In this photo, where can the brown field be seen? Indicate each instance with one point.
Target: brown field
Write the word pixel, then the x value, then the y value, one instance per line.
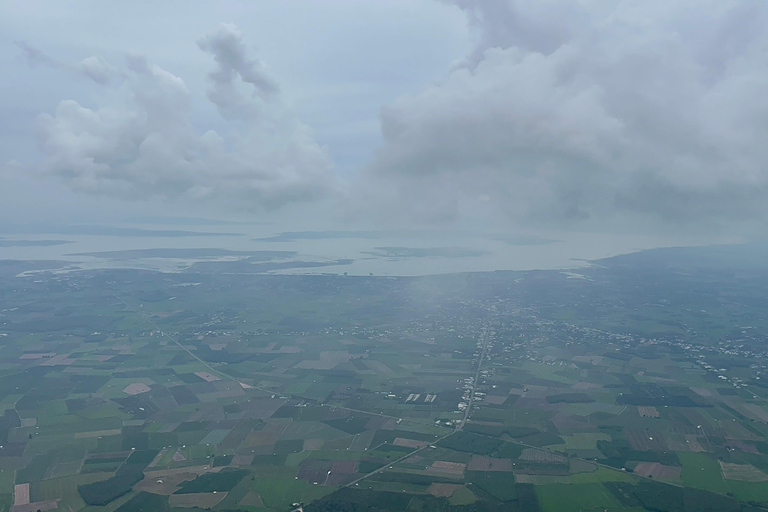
pixel 743 472
pixel 390 424
pixel 656 470
pixel 108 455
pixel 344 466
pixel 409 443
pixel 59 360
pixel 535 455
pixel 98 433
pixel 676 443
pixel 487 423
pixel 260 438
pixel 740 445
pixel 581 386
pixel 753 411
pixel 169 427
pixel 228 389
pixel 327 360
pixel 204 500
pixel 648 411
pixel 482 463
pixel 376 423
pixel 37 506
pixel 443 490
pixel 378 367
pixel 694 443
pixel 734 430
pixel 242 460
pixel 340 444
pixel 278 426
pixel 443 466
pixel 541 479
pixel 314 470
pixel 157 458
pixel 564 421
pixel 21 494
pixel 313 444
pixel 588 359
pixel 263 408
pixel 136 388
pixel 208 377
pixel 262 449
pixel 37 355
pixel 645 440
pixel 167 481
pixel 683 443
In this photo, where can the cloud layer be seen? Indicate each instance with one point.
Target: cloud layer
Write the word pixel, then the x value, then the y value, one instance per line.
pixel 571 113
pixel 580 115
pixel 141 142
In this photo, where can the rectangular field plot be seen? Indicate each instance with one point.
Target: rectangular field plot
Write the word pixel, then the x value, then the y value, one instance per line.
pixel 742 472
pixel 482 463
pixel 656 470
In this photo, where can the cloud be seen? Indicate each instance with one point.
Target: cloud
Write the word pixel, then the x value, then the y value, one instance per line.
pixel 91 67
pixel 141 142
pixel 229 52
pixel 573 114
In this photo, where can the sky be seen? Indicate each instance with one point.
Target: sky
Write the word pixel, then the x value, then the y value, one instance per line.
pixel 502 115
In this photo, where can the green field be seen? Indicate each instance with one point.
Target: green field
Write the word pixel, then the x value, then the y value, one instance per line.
pixel 575 498
pixel 702 472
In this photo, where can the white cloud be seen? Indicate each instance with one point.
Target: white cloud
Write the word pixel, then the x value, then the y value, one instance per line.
pixel 569 113
pixel 142 143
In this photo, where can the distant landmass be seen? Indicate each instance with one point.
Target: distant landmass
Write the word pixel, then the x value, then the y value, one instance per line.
pixel 425 252
pixel 731 257
pixel 253 266
pixel 293 236
pixel 522 240
pixel 190 221
pixel 101 230
pixel 32 243
pixel 188 253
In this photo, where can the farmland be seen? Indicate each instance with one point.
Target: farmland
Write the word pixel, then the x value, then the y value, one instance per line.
pixel 639 387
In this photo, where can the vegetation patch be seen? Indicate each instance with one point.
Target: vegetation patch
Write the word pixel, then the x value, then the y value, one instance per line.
pixel 224 480
pixel 472 443
pixel 570 398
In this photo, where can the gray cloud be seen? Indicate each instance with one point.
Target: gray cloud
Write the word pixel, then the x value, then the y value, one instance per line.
pixel 571 113
pixel 141 142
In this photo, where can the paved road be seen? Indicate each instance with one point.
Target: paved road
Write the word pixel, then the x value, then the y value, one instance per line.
pixel 486 334
pixel 390 464
pixel 467 411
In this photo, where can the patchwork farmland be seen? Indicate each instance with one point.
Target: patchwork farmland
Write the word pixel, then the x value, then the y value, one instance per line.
pixel 127 390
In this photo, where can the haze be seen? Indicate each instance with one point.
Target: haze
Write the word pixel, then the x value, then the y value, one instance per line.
pixel 500 118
